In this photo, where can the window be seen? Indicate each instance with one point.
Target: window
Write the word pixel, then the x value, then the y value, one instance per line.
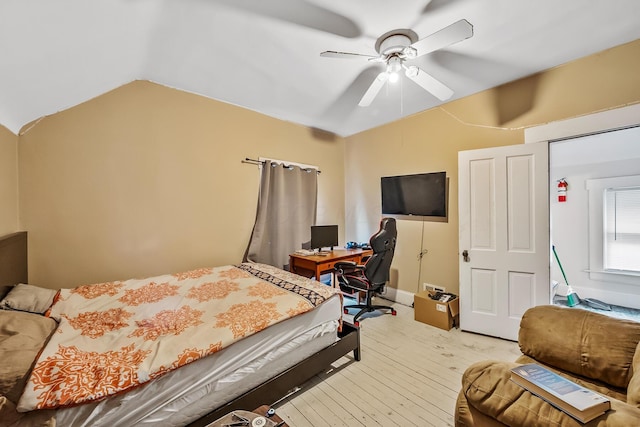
pixel 622 229
pixel 614 228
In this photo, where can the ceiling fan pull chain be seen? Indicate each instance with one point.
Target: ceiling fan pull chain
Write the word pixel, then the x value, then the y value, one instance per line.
pixel 402 96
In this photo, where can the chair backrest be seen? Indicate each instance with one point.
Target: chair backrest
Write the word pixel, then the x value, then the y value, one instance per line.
pixel 383 244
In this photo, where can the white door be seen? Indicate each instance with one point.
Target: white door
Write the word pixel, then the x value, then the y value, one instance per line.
pixel 504 236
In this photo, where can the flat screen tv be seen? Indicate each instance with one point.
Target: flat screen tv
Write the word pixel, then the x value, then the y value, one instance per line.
pixel 423 194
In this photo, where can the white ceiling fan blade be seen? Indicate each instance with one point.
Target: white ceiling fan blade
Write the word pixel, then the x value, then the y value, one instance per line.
pixel 447 36
pixel 429 83
pixel 335 54
pixel 373 90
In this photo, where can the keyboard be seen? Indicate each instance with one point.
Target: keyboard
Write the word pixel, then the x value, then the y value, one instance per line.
pixel 304 252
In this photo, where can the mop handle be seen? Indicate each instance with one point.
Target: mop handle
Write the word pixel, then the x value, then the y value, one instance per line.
pixel 560 265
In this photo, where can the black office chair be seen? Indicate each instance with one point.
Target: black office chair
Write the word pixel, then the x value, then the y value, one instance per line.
pixel 371 277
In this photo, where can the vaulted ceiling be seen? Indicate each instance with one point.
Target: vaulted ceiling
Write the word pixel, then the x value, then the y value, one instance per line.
pixel 264 55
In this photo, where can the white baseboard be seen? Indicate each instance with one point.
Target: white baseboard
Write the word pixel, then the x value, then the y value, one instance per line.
pixel 398 295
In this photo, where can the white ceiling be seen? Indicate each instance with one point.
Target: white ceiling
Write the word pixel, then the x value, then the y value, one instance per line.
pixel 264 54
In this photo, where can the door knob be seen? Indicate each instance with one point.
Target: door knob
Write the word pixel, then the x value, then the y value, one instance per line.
pixel 465 255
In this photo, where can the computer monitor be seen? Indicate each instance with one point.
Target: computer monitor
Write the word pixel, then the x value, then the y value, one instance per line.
pixel 324 236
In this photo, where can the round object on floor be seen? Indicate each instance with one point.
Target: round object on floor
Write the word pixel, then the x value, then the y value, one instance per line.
pixel 259 422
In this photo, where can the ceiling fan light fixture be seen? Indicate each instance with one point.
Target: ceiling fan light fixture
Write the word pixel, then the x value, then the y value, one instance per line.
pixel 412 71
pixel 394 65
pixel 410 52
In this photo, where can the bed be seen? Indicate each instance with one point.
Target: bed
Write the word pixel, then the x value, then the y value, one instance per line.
pixel 192 380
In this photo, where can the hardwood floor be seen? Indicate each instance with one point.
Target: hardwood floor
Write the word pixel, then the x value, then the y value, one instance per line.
pixel 409 375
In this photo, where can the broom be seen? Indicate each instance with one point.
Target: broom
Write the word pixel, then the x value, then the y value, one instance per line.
pixel 572 297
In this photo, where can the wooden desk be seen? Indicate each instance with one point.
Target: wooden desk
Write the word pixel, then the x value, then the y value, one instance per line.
pixel 315 265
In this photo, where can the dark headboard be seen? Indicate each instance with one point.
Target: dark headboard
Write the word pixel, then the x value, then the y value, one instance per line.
pixel 13 258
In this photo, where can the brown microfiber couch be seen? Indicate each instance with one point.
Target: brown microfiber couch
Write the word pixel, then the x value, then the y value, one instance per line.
pixel 594 350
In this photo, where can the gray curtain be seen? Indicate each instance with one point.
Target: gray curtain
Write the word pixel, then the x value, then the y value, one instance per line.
pixel 286 212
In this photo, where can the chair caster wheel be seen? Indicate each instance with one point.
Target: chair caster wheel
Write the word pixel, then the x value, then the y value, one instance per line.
pixel 393 312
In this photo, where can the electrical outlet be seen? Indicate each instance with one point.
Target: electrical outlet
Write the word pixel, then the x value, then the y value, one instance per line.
pixel 430 287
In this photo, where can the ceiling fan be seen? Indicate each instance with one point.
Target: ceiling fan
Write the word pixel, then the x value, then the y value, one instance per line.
pixel 397 46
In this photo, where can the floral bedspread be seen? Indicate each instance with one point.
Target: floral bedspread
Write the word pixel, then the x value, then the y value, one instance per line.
pixel 115 336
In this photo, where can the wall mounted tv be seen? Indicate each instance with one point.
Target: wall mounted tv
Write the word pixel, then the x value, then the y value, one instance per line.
pixel 423 194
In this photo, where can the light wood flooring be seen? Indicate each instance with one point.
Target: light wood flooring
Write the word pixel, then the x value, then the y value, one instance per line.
pixel 409 375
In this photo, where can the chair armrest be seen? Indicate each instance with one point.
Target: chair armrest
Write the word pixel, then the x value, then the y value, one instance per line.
pixel 488 388
pixel 350 276
pixel 345 264
pixel 347 267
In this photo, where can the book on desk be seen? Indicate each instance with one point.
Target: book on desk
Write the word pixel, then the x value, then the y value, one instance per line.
pixel 577 401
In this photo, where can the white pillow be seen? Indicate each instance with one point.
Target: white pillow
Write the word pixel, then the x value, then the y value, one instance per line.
pixel 33 299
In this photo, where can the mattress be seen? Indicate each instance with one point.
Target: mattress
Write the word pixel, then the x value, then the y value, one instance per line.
pixel 186 394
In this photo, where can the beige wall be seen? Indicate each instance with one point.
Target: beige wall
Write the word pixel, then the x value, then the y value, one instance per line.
pixel 147 180
pixel 430 141
pixel 8 181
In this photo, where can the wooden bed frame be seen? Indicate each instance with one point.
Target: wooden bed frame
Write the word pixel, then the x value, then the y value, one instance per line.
pixel 13 270
pixel 276 388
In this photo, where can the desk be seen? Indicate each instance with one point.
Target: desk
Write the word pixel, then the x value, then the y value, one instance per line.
pixel 315 265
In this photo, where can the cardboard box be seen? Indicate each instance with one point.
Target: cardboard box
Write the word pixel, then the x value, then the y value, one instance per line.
pixel 443 315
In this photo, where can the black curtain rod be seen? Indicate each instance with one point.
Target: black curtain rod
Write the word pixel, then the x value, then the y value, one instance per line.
pixel 259 162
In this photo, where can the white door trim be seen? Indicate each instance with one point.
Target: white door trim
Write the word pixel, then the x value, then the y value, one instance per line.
pixel 584 125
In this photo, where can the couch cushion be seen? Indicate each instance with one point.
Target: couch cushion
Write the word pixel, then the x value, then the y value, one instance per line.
pixel 468 416
pixel 633 392
pixel 585 343
pixel 487 387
